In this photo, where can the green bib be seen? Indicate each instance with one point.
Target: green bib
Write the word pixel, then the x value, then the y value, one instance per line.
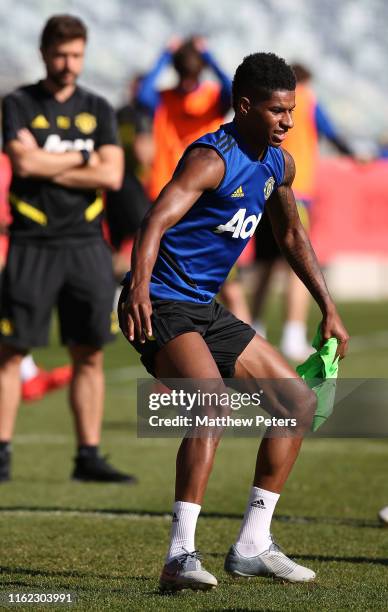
pixel 320 372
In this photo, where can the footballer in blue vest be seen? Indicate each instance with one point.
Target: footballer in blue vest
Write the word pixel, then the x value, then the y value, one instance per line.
pixel 188 242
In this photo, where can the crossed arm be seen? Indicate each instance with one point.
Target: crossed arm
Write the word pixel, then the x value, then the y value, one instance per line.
pixel 104 170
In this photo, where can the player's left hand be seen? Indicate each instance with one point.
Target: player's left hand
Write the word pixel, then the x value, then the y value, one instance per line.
pixel 27 139
pixel 332 327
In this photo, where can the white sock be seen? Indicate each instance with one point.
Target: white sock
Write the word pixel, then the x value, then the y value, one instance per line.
pixel 294 332
pixel 254 537
pixel 184 521
pixel 28 368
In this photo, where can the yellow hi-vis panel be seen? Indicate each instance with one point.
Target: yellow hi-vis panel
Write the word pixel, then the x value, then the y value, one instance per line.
pixel 94 209
pixel 27 210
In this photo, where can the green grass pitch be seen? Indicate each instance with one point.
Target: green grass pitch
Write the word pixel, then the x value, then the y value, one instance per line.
pixel 106 543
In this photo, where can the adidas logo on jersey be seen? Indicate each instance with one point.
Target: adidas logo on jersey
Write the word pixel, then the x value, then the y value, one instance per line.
pixel 175 518
pixel 239 226
pixel 239 193
pixel 258 503
pixel 40 122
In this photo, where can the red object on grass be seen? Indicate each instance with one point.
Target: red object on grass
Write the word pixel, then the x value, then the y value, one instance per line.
pixel 59 377
pixel 35 388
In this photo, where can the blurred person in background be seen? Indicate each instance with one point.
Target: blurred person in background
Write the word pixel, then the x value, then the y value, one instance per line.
pixel 5 214
pixel 62 143
pixel 126 207
pixel 183 113
pixel 310 123
pixel 186 111
pixel 383 147
pixel 36 382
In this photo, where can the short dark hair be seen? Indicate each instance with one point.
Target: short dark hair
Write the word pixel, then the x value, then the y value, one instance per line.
pixel 259 75
pixel 62 28
pixel 187 58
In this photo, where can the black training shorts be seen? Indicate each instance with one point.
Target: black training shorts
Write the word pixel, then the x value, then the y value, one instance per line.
pixel 225 335
pixel 77 279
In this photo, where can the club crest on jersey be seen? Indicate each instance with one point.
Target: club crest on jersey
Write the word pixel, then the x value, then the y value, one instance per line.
pixel 268 187
pixel 85 122
pixel 40 122
pixel 239 226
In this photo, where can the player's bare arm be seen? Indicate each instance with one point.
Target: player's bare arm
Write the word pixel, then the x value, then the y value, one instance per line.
pixel 201 170
pixel 297 249
pixel 104 171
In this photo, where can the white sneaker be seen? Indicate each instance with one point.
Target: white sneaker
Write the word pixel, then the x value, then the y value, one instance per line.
pixel 383 515
pixel 186 572
pixel 294 343
pixel 296 351
pixel 271 563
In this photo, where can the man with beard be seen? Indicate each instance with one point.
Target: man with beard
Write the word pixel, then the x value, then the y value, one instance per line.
pixel 62 143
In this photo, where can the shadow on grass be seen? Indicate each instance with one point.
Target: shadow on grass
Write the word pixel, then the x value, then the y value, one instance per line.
pixel 329 558
pixel 43 573
pixel 35 581
pixel 325 558
pixel 119 426
pixel 282 518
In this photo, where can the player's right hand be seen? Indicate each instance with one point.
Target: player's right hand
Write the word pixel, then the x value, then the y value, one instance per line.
pixel 332 327
pixel 137 312
pixel 94 159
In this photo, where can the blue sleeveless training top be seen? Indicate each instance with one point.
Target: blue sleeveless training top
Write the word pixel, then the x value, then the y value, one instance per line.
pixel 197 253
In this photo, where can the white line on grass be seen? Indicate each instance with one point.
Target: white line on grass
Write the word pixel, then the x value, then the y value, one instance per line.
pixel 58 440
pixel 127 374
pixel 357 344
pixel 130 516
pixel 166 517
pixel 43 438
